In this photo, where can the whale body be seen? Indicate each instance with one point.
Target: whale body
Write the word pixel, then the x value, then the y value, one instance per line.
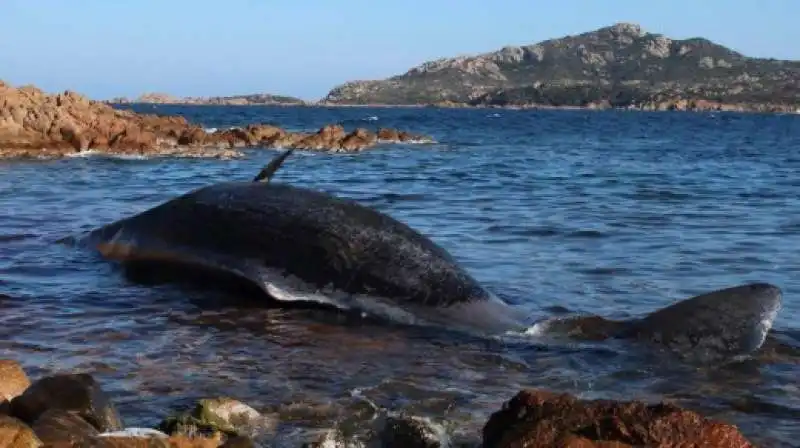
pixel 298 244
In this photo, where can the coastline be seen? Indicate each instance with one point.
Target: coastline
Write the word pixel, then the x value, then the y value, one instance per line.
pixel 666 106
pixel 71 409
pixel 34 124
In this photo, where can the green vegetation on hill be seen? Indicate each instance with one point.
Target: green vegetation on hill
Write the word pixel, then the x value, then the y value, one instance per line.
pixel 616 66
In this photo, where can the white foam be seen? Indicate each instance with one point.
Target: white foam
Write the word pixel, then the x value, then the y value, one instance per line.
pixel 210 130
pixel 139 433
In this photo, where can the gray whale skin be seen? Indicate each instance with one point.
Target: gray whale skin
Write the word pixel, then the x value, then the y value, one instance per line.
pixel 299 244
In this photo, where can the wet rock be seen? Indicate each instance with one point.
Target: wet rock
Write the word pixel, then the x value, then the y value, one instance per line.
pixel 224 415
pixel 13 382
pixel 358 140
pixel 327 138
pixel 391 135
pixel 411 432
pixel 331 439
pixel 69 392
pixel 122 440
pixel 540 418
pixel 264 134
pixel 239 442
pixel 396 136
pixel 192 136
pixel 16 434
pixel 58 426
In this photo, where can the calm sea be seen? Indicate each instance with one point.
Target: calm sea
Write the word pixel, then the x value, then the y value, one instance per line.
pixel 611 213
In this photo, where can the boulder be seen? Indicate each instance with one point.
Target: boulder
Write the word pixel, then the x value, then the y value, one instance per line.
pixel 224 415
pixel 541 418
pixel 70 392
pixel 16 434
pixel 13 382
pixel 410 432
pixel 59 426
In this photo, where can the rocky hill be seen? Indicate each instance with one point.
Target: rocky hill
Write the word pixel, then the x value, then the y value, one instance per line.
pixel 615 66
pixel 263 99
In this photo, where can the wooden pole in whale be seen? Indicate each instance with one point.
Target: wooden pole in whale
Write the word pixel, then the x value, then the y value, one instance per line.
pixel 266 173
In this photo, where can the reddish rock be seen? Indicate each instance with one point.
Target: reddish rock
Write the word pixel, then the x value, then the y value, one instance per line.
pixel 192 137
pixel 16 434
pixel 327 138
pixel 388 135
pixel 264 134
pixel 545 419
pixel 13 380
pixel 35 124
pixel 358 140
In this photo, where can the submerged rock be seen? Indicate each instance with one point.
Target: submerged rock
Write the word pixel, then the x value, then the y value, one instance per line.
pixel 545 419
pixel 70 392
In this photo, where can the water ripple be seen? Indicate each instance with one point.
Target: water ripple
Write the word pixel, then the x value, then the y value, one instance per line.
pixel 561 212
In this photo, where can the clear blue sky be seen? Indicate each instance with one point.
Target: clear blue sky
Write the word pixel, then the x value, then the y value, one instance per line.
pixel 106 48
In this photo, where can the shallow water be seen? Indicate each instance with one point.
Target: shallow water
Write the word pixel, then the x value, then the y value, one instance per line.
pixel 611 213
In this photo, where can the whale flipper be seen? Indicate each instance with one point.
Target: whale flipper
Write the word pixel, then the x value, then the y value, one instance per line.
pixel 724 324
pixel 266 173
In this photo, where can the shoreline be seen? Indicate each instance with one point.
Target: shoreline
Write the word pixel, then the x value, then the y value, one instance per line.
pixel 71 409
pixel 34 124
pixel 667 106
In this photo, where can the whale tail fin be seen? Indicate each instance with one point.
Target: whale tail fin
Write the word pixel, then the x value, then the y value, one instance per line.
pixel 266 173
pixel 725 324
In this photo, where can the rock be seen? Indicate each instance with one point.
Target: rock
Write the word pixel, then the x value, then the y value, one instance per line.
pixel 390 135
pixel 225 415
pixel 128 441
pixel 540 418
pixel 37 125
pixel 239 442
pixel 61 426
pixel 192 136
pixel 70 392
pixel 331 439
pixel 264 134
pixel 13 382
pixel 16 434
pixel 358 140
pixel 411 432
pixel 328 137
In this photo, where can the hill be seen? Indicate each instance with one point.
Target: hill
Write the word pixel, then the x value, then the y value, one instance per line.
pixel 616 66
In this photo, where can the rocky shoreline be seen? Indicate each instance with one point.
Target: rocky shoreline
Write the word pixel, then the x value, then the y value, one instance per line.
pixel 71 410
pixel 34 124
pixel 675 104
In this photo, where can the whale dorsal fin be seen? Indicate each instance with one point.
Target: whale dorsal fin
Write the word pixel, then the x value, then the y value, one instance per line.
pixel 723 324
pixel 266 173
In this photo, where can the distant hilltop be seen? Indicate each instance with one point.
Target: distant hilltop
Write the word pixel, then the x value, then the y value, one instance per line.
pixel 243 100
pixel 616 66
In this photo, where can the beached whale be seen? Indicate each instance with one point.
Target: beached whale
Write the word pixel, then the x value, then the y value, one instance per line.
pixel 298 244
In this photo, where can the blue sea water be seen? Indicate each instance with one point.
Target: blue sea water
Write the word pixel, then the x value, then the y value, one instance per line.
pixel 609 213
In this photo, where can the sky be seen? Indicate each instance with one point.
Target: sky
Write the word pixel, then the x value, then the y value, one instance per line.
pixel 303 48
